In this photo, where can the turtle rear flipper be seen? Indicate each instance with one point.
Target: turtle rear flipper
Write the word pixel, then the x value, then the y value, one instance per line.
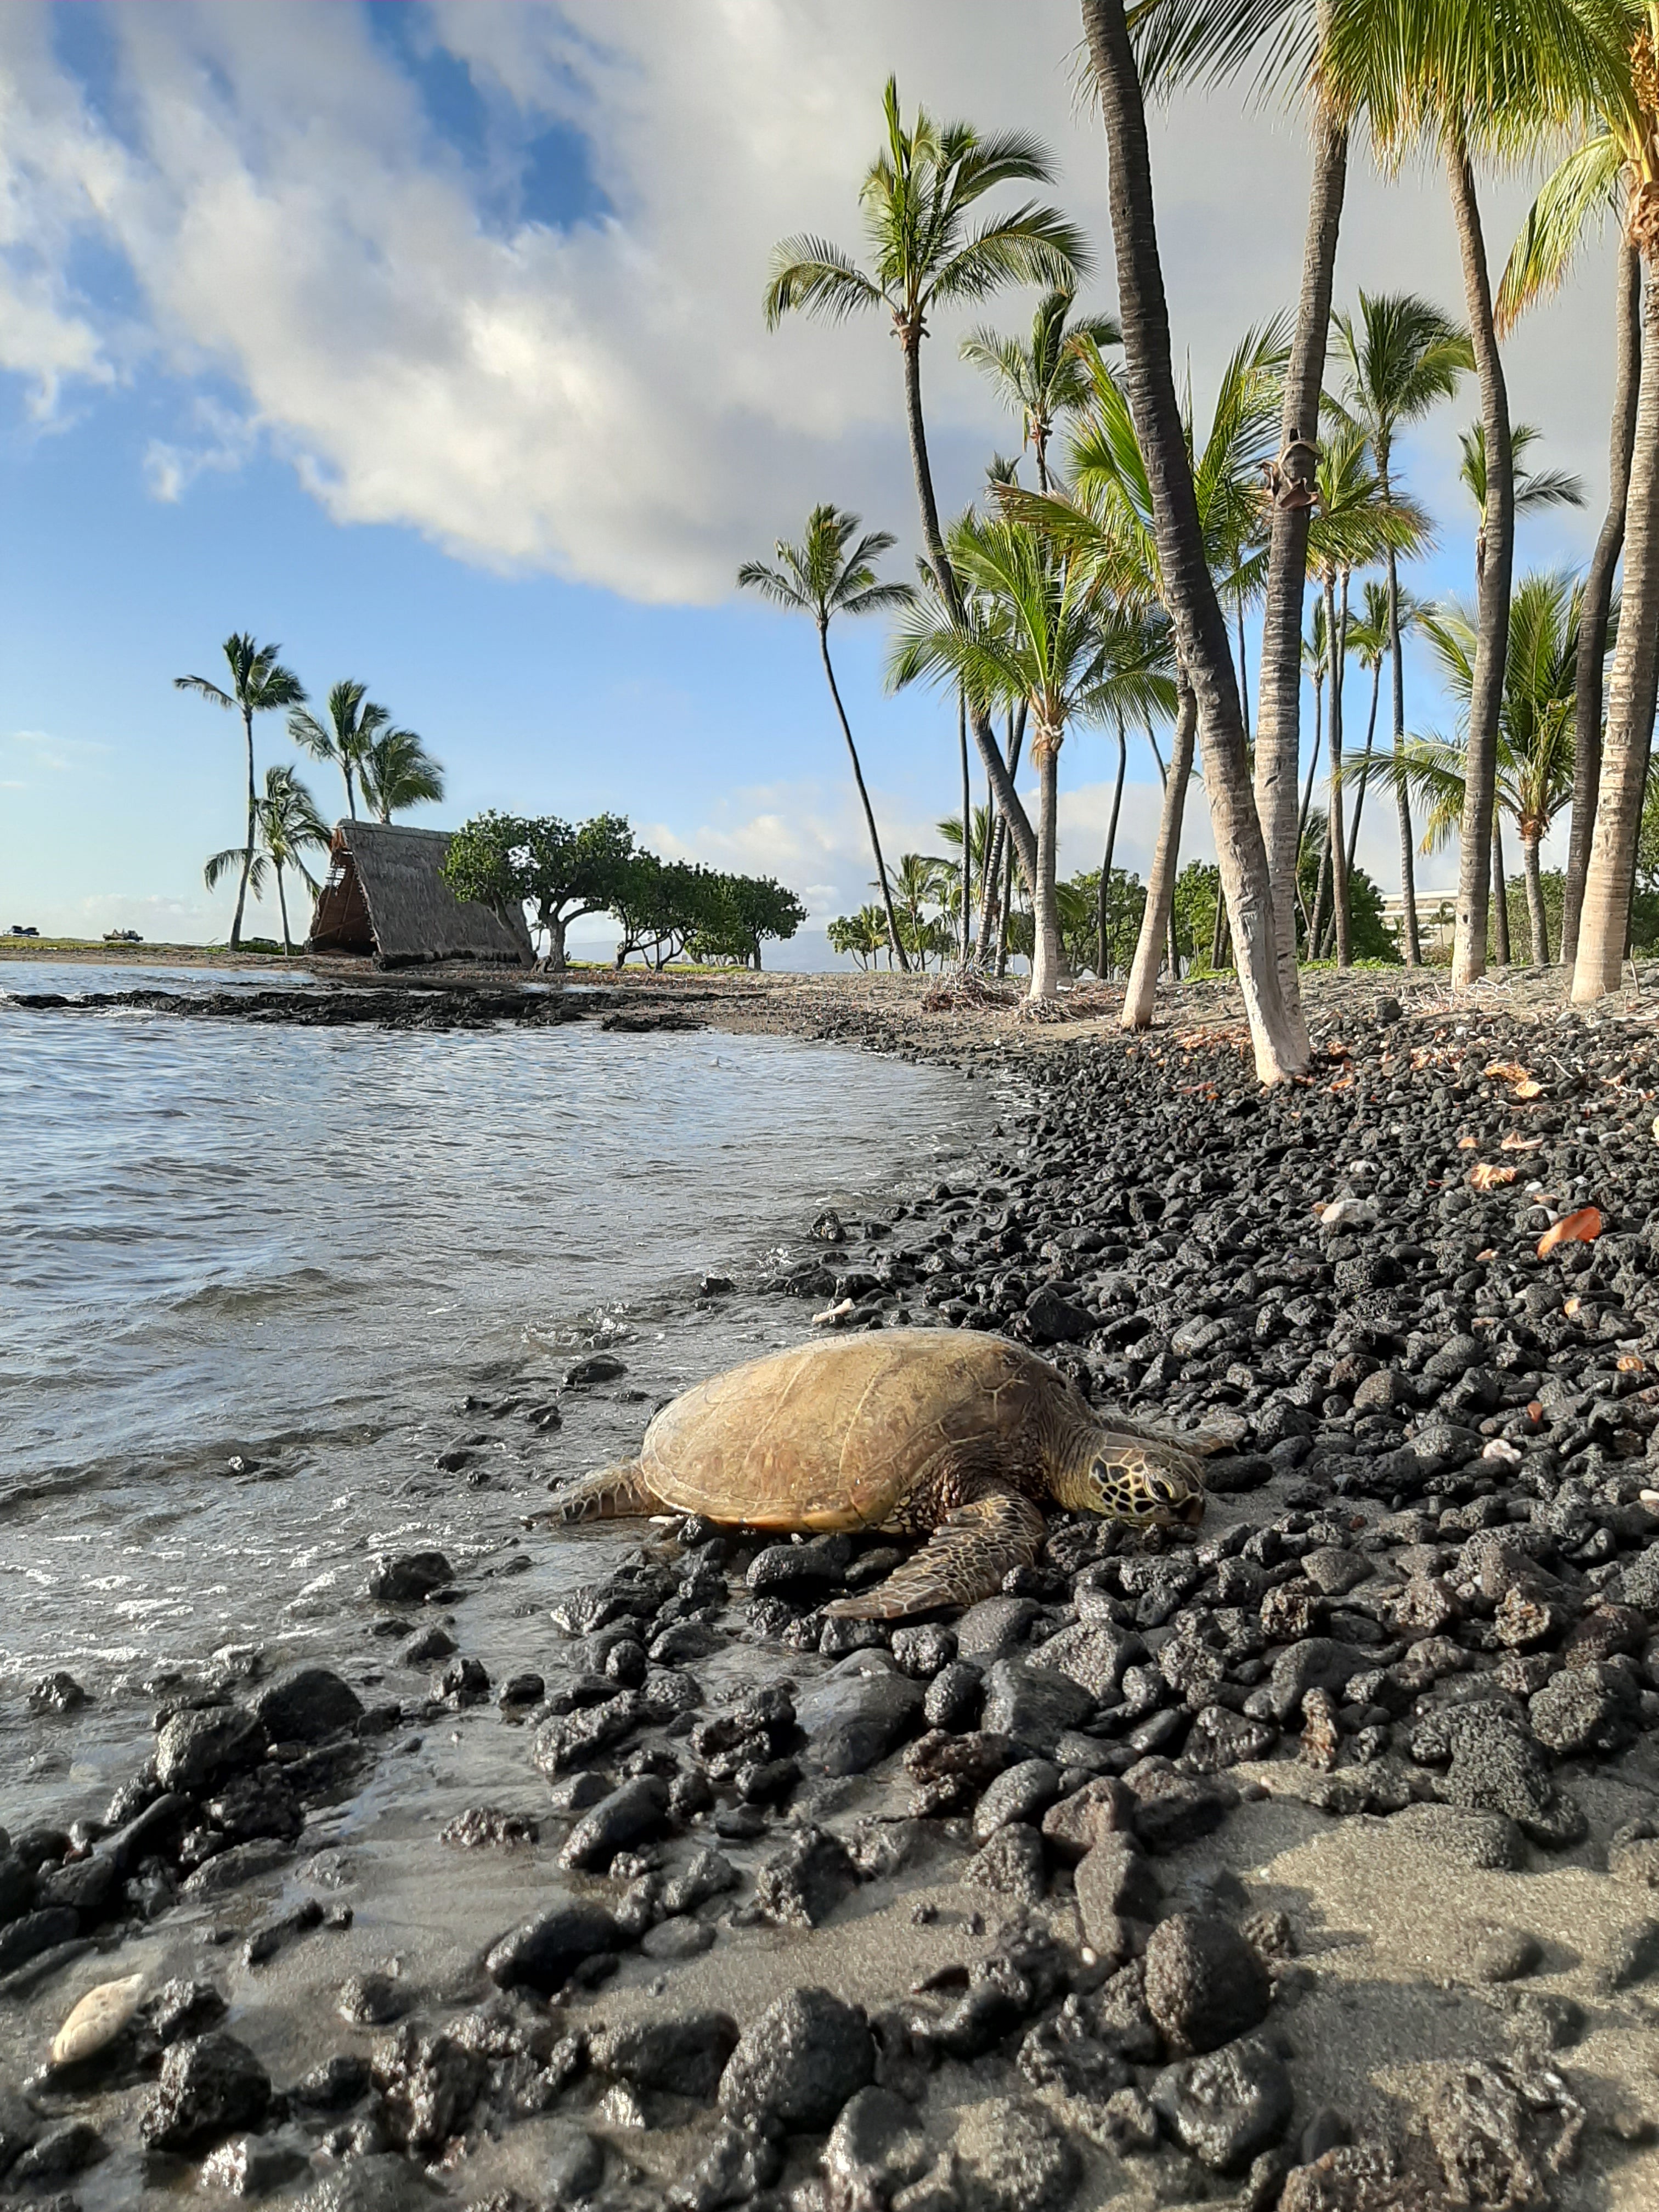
pixel 614 1493
pixel 963 1561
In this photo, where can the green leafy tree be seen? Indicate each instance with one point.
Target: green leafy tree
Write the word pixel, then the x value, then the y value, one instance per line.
pixel 286 827
pixel 1400 358
pixel 822 578
pixel 661 905
pixel 931 246
pixel 397 773
pixel 354 723
pixel 864 935
pixel 562 871
pixel 258 684
pixel 746 912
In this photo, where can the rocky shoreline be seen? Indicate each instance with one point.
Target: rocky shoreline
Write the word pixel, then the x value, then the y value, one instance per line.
pixel 1304 1862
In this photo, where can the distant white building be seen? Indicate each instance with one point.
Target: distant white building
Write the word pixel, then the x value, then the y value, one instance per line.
pixel 1437 916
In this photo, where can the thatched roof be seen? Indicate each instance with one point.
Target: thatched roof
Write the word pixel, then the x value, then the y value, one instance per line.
pixel 384 895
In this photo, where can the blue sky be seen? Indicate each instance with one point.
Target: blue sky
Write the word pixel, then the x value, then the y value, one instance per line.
pixel 425 339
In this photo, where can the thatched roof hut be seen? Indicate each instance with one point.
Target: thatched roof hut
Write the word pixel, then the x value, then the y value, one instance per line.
pixel 386 895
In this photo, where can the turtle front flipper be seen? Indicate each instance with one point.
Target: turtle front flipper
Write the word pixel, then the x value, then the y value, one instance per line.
pixel 614 1493
pixel 963 1561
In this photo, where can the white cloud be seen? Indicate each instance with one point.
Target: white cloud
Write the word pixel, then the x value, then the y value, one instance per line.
pixel 600 399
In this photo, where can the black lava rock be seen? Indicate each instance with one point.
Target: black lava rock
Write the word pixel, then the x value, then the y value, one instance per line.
pixel 542 1953
pixel 308 1705
pixel 685 2054
pixel 1205 1984
pixel 799 2062
pixel 210 2086
pixel 1227 2105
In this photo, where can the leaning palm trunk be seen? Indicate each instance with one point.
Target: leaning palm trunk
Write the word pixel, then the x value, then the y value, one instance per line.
pixel 1279 680
pixel 1158 914
pixel 1491 644
pixel 1403 797
pixel 1336 629
pixel 1269 982
pixel 1537 917
pixel 281 903
pixel 1313 760
pixel 895 943
pixel 996 769
pixel 1500 895
pixel 247 850
pixel 967 939
pixel 1101 902
pixel 1598 597
pixel 1045 918
pixel 1611 877
pixel 994 914
pixel 1365 766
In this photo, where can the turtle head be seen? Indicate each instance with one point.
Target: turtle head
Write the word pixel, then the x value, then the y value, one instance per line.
pixel 1149 1489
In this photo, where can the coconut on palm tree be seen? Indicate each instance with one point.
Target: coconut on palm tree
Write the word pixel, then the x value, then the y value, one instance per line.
pixel 354 723
pixel 397 772
pixel 1041 380
pixel 1400 358
pixel 833 572
pixel 931 248
pixel 286 826
pixel 259 683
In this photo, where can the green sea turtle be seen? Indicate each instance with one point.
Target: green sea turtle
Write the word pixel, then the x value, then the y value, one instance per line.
pixel 950 1434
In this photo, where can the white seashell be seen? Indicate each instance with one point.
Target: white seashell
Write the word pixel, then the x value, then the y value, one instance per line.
pixel 1500 1448
pixel 97 2019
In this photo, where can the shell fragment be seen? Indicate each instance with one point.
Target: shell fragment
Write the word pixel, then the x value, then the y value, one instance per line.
pixel 97 2019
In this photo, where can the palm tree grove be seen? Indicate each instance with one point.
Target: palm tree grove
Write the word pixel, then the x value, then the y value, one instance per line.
pixel 869 1420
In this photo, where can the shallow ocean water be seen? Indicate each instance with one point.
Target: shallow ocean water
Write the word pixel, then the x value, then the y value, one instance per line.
pixel 253 1273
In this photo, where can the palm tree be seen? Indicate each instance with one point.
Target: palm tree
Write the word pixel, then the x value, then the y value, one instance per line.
pixel 1109 519
pixel 287 825
pixel 1037 626
pixel 353 722
pixel 928 252
pixel 822 578
pixel 1535 735
pixel 1534 488
pixel 1383 617
pixel 919 881
pixel 1606 169
pixel 259 682
pixel 397 772
pixel 1043 380
pixel 1401 359
pixel 1355 526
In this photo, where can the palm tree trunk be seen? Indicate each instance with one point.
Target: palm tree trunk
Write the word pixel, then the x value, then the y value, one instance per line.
pixel 1045 922
pixel 967 831
pixel 1365 767
pixel 1492 642
pixel 351 793
pixel 1243 671
pixel 1279 679
pixel 1317 918
pixel 1101 963
pixel 1403 797
pixel 994 914
pixel 1500 893
pixel 1158 914
pixel 984 736
pixel 1313 760
pixel 1268 977
pixel 281 901
pixel 863 798
pixel 1611 877
pixel 1598 596
pixel 247 850
pixel 1008 910
pixel 1535 914
pixel 1337 622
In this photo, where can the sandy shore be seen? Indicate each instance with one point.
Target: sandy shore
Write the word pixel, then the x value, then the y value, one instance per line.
pixel 1309 1868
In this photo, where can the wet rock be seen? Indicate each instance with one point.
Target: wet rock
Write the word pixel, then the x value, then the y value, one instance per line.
pixel 56 1693
pixel 1114 1881
pixel 489 1828
pixel 1053 1319
pixel 1031 1705
pixel 228 1869
pixel 308 1706
pixel 66 2148
pixel 633 1814
pixel 335 2085
pixel 572 1739
pixel 211 2084
pixel 799 2062
pixel 84 1885
pixel 408 1577
pixel 182 2008
pixel 427 2084
pixel 575 2167
pixel 379 2182
pixel 597 1367
pixel 1011 1865
pixel 801 1885
pixel 195 1749
pixel 463 1682
pixel 1205 1985
pixel 428 1647
pixel 20 2125
pixel 817 1565
pixel 920 1652
pixel 16 1886
pixel 683 2054
pixel 705 1874
pixel 1225 2106
pixel 954 1697
pixel 542 1953
pixel 672 1941
pixel 245 2166
pixel 1487 1843
pixel 36 1933
pixel 739 2163
pixel 852 1721
pixel 1014 2158
pixel 1022 1792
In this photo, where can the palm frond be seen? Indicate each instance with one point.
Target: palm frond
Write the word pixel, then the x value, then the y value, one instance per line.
pixel 1583 188
pixel 819 277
